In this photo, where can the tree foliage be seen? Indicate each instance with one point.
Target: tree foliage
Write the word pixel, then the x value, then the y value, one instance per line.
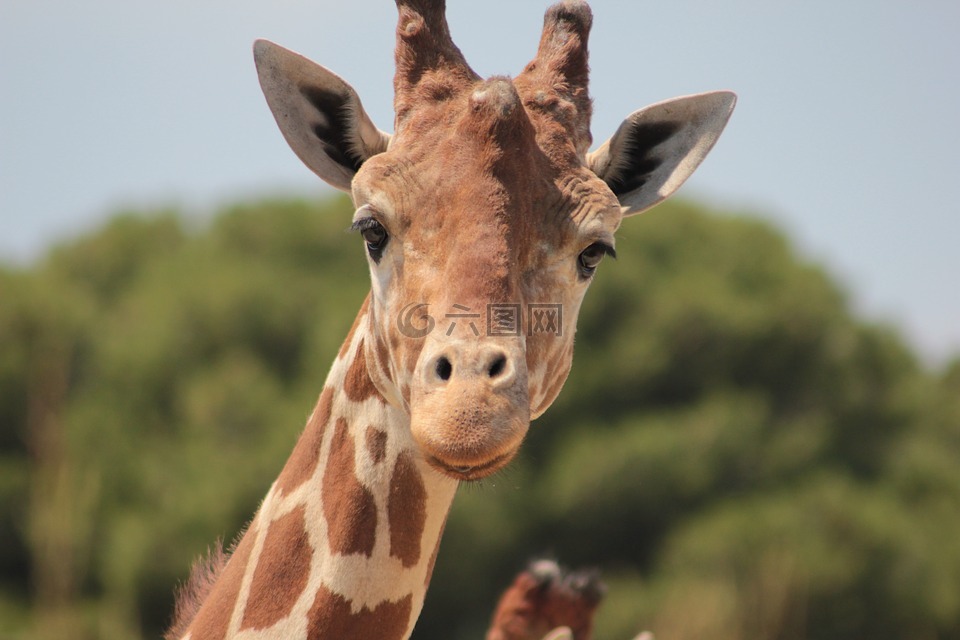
pixel 740 455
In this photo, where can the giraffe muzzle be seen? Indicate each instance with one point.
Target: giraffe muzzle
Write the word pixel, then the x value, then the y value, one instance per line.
pixel 470 408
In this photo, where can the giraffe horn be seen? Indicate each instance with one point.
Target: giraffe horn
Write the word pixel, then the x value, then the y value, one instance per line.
pixel 496 112
pixel 430 67
pixel 557 78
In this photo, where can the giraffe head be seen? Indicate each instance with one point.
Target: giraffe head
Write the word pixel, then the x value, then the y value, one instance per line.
pixel 483 216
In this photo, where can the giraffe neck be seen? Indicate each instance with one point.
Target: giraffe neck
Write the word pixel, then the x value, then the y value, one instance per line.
pixel 343 545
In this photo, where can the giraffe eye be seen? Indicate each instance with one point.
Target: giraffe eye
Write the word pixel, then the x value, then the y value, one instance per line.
pixel 374 234
pixel 590 257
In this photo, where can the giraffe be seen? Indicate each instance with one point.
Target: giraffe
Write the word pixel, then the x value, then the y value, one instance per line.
pixel 545 597
pixel 483 218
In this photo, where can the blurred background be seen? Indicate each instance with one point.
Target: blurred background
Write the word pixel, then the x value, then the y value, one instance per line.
pixel 761 434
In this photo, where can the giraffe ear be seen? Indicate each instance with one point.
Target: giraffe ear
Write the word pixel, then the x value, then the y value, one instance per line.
pixel 657 148
pixel 319 114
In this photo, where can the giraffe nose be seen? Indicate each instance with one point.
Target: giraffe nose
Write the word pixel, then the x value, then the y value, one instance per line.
pixel 470 406
pixel 487 364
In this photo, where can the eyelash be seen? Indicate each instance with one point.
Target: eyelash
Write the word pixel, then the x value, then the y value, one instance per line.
pixel 374 234
pixel 589 258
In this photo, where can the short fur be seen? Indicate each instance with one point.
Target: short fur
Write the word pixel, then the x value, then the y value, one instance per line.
pixel 191 594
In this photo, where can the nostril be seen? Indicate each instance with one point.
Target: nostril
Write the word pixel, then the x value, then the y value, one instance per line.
pixel 444 368
pixel 497 366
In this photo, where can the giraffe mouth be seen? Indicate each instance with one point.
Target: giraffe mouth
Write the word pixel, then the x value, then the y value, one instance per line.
pixel 472 472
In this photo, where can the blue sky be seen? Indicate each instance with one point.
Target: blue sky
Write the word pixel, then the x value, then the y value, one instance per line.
pixel 845 136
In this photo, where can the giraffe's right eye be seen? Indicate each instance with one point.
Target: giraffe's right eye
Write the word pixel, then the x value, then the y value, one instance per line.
pixel 590 257
pixel 374 234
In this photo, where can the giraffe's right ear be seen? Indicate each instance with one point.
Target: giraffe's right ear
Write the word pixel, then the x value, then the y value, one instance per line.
pixel 657 148
pixel 319 114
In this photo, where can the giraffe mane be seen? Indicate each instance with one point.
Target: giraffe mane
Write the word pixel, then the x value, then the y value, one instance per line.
pixel 191 594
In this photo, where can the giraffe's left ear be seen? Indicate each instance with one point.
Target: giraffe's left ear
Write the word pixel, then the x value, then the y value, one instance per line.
pixel 319 114
pixel 657 148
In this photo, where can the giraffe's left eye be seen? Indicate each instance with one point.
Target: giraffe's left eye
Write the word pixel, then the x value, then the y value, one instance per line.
pixel 590 257
pixel 374 234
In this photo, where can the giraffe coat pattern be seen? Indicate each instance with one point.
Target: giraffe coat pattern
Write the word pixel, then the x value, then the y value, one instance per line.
pixel 485 197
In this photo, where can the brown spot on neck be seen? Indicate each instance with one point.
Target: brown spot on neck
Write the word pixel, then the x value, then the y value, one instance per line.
pixel 282 572
pixel 376 444
pixel 357 384
pixel 348 506
pixel 331 617
pixel 406 511
pixel 303 461
pixel 383 359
